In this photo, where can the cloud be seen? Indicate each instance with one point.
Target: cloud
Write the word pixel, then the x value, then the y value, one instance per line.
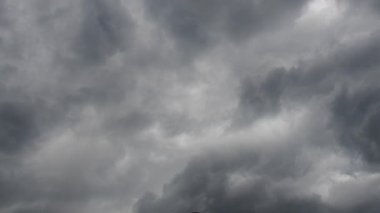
pixel 197 24
pixel 239 182
pixel 18 126
pixel 210 106
pixel 357 116
pixel 106 29
pixel 321 76
pixel 247 180
pixel 371 5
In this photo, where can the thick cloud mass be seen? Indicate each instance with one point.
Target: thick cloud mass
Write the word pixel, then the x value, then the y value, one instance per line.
pixel 196 24
pixel 179 106
pixel 358 117
pixel 243 182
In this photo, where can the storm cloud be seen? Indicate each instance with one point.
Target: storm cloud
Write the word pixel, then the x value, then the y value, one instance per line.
pixel 189 106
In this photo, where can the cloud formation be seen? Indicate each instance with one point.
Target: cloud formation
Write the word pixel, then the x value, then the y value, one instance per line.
pixel 197 24
pixel 188 105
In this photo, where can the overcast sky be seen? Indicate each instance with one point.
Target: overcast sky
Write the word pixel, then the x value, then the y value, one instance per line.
pixel 175 106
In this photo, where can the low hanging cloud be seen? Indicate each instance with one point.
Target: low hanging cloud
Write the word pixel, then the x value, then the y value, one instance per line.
pixel 183 106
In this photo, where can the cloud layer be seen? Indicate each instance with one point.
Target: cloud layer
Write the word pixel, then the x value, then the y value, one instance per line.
pixel 189 105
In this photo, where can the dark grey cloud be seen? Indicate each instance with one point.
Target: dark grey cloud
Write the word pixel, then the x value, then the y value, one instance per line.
pixel 211 184
pixel 18 126
pixel 357 116
pixel 106 29
pixel 198 24
pixel 266 94
pixel 24 118
pixel 249 181
pixel 102 102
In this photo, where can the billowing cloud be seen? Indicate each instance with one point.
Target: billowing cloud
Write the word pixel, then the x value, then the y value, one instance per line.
pixel 181 106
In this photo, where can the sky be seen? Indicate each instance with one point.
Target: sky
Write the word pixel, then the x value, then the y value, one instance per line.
pixel 178 106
